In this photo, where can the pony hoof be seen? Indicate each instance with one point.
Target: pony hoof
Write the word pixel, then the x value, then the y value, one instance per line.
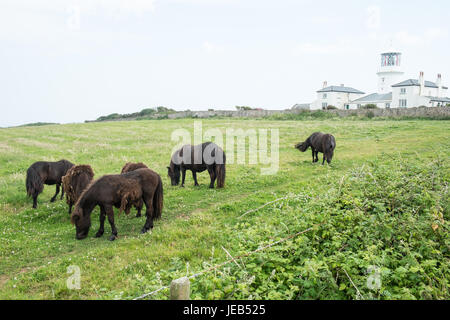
pixel 138 215
pixel 144 230
pixel 98 234
pixel 112 238
pixel 52 200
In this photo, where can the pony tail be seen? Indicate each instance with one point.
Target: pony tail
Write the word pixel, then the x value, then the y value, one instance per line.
pixel 158 200
pixel 302 146
pixel 220 174
pixel 220 169
pixel 34 183
pixel 67 187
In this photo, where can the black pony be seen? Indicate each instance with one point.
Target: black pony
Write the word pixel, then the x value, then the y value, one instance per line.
pixel 319 142
pixel 43 172
pixel 206 156
pixel 120 191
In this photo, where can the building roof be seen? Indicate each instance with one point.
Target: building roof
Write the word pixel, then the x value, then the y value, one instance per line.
pixel 340 89
pixel 375 97
pixel 414 82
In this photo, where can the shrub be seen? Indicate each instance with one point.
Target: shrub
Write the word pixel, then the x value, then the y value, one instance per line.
pixel 147 111
pixel 370 106
pixel 243 108
pixel 330 107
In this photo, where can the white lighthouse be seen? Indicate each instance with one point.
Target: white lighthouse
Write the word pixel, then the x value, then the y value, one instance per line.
pixel 390 71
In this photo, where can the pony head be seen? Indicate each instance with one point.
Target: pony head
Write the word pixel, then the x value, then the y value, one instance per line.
pixel 173 171
pixel 82 222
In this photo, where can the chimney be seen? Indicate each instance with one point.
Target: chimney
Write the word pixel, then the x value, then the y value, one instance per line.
pixel 325 84
pixel 439 85
pixel 422 84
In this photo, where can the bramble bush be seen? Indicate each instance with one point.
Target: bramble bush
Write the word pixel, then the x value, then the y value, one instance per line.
pixel 390 217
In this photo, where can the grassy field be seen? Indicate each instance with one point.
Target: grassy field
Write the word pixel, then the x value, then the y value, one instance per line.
pixel 383 202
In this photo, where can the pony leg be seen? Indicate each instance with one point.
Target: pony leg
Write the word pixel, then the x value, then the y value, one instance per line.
pixel 212 175
pixel 323 160
pixel 194 175
pixel 317 156
pixel 183 176
pixel 62 194
pixel 110 213
pixel 101 230
pixel 56 193
pixel 149 214
pixel 70 207
pixel 139 209
pixel 35 202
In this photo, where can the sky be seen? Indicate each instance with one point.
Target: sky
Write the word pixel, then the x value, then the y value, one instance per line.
pixel 68 61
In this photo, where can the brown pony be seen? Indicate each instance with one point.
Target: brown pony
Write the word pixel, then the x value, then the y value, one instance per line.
pixel 206 156
pixel 75 181
pixel 121 191
pixel 43 172
pixel 319 142
pixel 128 167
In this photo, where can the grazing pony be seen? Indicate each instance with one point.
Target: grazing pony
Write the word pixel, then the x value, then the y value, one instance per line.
pixel 319 142
pixel 206 156
pixel 75 182
pixel 43 172
pixel 121 191
pixel 128 167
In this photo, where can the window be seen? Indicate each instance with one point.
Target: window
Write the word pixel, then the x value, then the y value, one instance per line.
pixel 347 106
pixel 403 91
pixel 324 96
pixel 358 106
pixel 324 105
pixel 387 105
pixel 403 103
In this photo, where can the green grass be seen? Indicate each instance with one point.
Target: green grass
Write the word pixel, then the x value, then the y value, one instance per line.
pixel 383 202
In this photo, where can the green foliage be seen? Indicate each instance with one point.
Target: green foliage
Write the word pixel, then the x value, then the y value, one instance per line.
pixel 331 107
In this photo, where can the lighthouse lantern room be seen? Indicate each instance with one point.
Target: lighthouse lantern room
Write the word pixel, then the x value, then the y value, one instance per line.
pixel 390 71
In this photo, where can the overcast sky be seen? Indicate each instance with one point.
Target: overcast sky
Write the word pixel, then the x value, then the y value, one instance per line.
pixel 68 61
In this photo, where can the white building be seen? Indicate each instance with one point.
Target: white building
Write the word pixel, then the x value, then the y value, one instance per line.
pixel 392 92
pixel 337 96
pixel 415 93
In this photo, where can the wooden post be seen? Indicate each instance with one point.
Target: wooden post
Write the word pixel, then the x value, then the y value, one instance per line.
pixel 180 289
